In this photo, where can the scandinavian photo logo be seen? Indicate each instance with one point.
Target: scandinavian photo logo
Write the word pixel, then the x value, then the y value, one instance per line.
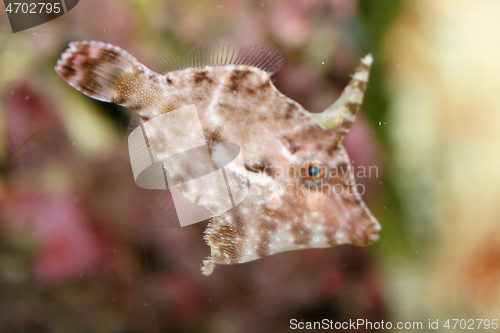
pixel 169 154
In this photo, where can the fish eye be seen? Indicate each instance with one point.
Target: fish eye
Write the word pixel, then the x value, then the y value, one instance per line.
pixel 314 171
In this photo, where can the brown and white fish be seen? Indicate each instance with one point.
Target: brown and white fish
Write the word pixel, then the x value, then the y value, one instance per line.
pixel 301 187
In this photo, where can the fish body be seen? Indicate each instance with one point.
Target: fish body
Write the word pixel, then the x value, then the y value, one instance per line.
pixel 301 189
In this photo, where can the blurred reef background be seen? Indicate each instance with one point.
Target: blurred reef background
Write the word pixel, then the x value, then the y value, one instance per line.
pixel 83 249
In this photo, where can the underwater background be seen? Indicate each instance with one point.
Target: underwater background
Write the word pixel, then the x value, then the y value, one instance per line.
pixel 83 249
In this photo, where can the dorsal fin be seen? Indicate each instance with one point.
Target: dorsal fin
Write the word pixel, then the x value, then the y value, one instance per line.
pixel 214 53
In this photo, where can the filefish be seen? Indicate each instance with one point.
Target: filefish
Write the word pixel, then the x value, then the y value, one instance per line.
pixel 301 188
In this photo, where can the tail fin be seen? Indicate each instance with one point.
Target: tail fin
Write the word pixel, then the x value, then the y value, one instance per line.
pixel 93 68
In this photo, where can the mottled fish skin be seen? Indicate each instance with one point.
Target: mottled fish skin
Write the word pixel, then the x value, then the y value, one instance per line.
pixel 240 104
